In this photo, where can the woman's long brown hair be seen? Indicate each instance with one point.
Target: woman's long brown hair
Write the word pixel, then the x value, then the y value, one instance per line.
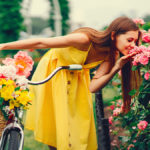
pixel 102 39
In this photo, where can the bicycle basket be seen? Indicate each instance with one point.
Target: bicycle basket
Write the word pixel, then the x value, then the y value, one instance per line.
pixel 2 123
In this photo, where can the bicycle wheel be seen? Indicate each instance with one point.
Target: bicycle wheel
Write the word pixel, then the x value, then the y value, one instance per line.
pixel 13 141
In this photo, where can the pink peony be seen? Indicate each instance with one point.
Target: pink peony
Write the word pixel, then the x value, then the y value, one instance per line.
pixel 23 63
pixel 139 21
pixel 8 61
pixel 147 75
pixel 142 125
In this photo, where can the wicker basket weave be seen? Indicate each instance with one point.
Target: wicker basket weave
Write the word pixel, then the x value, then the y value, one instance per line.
pixel 2 123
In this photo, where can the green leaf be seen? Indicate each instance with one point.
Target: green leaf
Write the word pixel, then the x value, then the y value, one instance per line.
pixel 132 92
pixel 134 68
pixel 1 100
pixel 17 88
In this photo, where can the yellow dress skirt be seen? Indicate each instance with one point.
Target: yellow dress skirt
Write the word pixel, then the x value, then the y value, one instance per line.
pixel 61 113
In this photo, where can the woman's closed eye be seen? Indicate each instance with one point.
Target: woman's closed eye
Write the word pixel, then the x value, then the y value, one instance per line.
pixel 131 40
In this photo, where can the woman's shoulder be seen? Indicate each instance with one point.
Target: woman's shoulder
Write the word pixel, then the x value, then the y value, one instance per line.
pixel 82 37
pixel 79 40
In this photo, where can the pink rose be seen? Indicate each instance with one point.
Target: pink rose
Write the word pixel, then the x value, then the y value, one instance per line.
pixel 117 111
pixel 134 63
pixel 134 141
pixel 142 125
pixel 139 21
pixel 112 107
pixel 146 37
pixel 147 75
pixel 110 119
pixel 143 60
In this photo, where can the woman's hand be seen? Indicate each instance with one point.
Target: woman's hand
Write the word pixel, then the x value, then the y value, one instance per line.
pixel 123 60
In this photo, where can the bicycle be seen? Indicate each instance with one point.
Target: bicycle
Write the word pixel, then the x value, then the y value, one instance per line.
pixel 13 136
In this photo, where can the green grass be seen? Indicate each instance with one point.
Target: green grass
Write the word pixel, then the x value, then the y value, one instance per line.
pixel 31 144
pixel 109 94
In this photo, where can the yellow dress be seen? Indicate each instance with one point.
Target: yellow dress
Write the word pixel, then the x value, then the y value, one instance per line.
pixel 61 113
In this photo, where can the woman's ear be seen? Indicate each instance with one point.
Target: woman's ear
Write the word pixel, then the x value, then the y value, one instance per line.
pixel 113 35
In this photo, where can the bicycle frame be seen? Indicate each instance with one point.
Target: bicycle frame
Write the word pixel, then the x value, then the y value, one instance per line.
pixel 15 125
pixel 69 67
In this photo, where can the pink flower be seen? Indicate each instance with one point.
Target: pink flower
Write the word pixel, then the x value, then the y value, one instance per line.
pixel 110 119
pixel 134 141
pixel 112 107
pixel 117 111
pixel 143 60
pixel 142 125
pixel 139 21
pixel 147 75
pixel 2 76
pixel 8 61
pixel 134 63
pixel 130 146
pixel 119 103
pixel 23 63
pixel 146 37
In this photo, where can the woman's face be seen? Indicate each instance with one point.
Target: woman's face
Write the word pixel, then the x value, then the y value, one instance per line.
pixel 125 42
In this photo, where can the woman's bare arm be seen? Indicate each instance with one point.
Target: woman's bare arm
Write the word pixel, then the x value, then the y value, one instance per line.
pixel 105 73
pixel 75 39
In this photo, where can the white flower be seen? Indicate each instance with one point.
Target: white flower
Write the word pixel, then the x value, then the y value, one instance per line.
pixel 133 127
pixel 6 109
pixel 22 82
pixel 8 71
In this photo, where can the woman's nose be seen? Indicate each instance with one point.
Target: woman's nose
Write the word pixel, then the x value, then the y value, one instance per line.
pixel 132 45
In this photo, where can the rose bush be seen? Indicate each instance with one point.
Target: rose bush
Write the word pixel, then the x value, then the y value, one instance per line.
pixel 137 121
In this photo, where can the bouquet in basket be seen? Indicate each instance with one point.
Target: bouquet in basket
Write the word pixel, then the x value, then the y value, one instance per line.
pixel 14 91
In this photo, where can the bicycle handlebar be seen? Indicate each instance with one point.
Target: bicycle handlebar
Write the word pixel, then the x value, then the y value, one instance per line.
pixel 69 67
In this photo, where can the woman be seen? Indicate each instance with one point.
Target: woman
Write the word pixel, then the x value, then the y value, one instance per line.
pixel 61 114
